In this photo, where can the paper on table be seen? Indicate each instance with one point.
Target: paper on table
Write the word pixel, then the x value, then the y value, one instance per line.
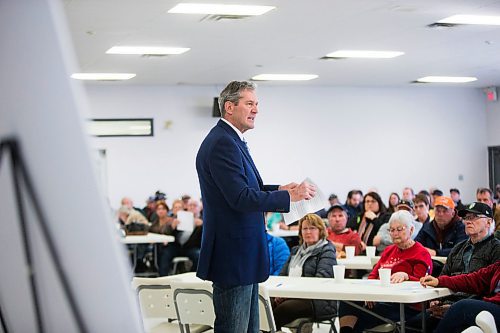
pixel 300 208
pixel 186 221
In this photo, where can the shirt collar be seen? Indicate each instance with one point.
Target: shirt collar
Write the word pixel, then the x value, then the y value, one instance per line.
pixel 234 128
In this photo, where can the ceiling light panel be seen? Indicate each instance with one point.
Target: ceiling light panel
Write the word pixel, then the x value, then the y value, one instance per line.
pixel 364 54
pixel 219 9
pixel 284 77
pixel 447 79
pixel 472 19
pixel 147 50
pixel 103 76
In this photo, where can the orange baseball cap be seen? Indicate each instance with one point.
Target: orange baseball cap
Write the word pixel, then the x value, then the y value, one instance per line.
pixel 445 202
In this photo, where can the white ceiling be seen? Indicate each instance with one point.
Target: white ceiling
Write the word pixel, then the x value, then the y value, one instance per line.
pixel 290 39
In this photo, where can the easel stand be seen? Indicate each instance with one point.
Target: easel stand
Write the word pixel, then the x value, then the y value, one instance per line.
pixel 20 178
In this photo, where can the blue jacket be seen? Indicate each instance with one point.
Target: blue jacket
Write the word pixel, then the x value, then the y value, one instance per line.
pixel 278 254
pixel 234 246
pixel 427 237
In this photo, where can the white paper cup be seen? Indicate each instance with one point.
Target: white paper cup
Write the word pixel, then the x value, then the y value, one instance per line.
pixel 339 273
pixel 370 251
pixel 349 252
pixel 276 227
pixel 385 276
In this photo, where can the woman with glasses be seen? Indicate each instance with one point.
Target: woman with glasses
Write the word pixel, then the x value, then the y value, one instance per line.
pixel 313 257
pixel 408 261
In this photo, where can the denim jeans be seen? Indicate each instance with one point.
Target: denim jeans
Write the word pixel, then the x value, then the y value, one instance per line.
pixel 236 308
pixel 462 315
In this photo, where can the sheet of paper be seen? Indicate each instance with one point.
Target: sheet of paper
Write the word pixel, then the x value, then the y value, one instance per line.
pixel 186 221
pixel 301 208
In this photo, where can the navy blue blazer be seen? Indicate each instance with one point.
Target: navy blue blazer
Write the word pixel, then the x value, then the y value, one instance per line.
pixel 234 246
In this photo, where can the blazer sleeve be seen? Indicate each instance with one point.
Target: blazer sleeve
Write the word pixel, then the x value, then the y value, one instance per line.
pixel 228 172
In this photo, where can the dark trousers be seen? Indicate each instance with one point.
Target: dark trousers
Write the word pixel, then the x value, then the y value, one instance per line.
pixel 290 309
pixel 366 320
pixel 462 315
pixel 167 253
pixel 236 308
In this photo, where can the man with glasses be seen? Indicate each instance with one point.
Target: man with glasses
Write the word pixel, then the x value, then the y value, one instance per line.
pixel 481 249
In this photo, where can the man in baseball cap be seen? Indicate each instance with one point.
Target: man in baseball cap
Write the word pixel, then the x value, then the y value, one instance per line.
pixel 441 234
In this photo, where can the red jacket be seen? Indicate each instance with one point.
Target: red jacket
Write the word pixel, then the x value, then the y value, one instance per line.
pixel 484 282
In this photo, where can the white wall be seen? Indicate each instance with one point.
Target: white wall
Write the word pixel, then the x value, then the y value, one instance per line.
pixel 493 121
pixel 341 137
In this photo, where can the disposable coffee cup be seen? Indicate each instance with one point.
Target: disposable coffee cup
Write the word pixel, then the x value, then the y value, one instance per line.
pixel 349 252
pixel 339 273
pixel 370 251
pixel 385 276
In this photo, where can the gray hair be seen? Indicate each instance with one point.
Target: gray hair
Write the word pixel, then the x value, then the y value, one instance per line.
pixel 232 93
pixel 403 217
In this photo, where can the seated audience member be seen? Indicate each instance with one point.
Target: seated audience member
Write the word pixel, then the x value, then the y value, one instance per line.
pixel 123 213
pixel 338 234
pixel 150 208
pixel 368 222
pixel 485 195
pixel 314 257
pixel 421 203
pixel 163 224
pixel 407 259
pixel 455 196
pixel 479 250
pixel 353 203
pixel 393 202
pixel 431 203
pixel 408 194
pixel 332 200
pixel 185 201
pixel 462 314
pixel 278 254
pixel 445 231
pixel 126 201
pixel 383 238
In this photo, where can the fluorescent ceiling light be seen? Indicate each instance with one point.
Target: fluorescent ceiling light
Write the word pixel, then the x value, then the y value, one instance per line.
pixel 155 50
pixel 103 76
pixel 447 79
pixel 364 54
pixel 220 9
pixel 472 19
pixel 284 77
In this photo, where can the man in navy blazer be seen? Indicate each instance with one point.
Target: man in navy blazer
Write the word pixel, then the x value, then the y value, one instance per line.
pixel 234 253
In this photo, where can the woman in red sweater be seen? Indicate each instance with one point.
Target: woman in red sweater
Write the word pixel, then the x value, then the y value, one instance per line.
pixel 462 314
pixel 407 259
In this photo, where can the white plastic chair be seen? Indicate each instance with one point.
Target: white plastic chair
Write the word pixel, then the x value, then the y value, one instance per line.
pixel 175 264
pixel 157 306
pixel 473 329
pixel 266 317
pixel 486 322
pixel 193 303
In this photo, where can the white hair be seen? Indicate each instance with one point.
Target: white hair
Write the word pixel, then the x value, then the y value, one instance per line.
pixel 403 217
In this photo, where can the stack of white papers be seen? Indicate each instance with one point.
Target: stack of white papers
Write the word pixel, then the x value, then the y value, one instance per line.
pixel 301 208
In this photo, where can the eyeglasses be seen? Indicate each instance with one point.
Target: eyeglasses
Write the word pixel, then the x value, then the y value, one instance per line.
pixel 473 217
pixel 398 229
pixel 309 229
pixel 370 201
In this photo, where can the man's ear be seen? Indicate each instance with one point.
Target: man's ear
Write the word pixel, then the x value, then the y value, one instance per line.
pixel 228 106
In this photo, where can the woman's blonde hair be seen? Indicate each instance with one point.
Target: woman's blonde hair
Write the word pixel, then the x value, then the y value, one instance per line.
pixel 315 221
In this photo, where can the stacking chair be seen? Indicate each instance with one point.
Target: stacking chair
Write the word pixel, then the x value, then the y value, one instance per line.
pixel 179 260
pixel 473 329
pixel 302 325
pixel 193 304
pixel 157 306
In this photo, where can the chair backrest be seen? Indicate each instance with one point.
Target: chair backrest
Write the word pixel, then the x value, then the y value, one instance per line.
pixel 266 317
pixel 155 297
pixel 486 322
pixel 193 303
